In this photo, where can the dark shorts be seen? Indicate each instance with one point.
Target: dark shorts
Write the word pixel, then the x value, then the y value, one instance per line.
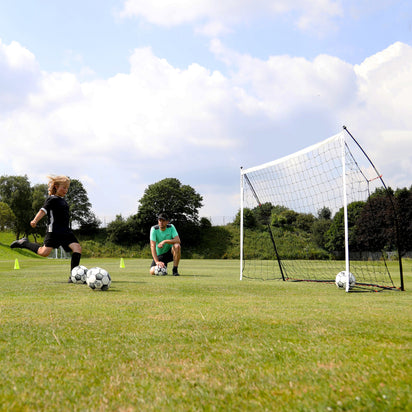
pixel 56 240
pixel 165 258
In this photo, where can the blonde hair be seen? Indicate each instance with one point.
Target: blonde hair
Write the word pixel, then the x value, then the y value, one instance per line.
pixel 55 181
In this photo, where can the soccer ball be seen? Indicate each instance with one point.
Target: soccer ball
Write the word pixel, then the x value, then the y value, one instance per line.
pixel 160 271
pixel 341 280
pixel 98 278
pixel 78 274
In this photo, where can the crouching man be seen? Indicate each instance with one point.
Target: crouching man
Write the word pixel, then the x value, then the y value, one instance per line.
pixel 164 244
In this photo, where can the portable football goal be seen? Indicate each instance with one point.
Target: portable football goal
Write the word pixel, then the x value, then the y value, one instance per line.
pixel 317 213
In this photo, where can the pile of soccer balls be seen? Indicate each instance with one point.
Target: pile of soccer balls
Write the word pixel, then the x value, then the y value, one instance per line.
pixel 96 278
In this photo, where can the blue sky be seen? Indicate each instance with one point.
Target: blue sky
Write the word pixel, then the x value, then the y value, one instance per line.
pixel 123 93
pixel 93 31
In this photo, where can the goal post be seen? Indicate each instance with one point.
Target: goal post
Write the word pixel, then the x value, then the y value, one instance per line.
pixel 318 212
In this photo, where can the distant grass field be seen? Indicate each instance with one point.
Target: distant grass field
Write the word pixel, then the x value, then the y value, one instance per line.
pixel 203 341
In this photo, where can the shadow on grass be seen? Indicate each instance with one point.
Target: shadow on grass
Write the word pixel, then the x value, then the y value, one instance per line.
pixel 372 289
pixel 128 281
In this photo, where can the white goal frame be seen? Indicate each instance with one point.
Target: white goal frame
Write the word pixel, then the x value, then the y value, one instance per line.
pixel 339 139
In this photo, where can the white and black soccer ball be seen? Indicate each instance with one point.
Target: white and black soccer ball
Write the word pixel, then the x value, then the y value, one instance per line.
pixel 98 278
pixel 160 271
pixel 341 280
pixel 78 274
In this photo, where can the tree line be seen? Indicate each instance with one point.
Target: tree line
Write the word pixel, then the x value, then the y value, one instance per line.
pixel 382 222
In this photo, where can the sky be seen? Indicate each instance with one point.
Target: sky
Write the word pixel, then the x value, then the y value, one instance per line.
pixel 121 94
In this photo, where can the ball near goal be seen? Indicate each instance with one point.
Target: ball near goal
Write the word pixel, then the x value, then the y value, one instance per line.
pixel 341 279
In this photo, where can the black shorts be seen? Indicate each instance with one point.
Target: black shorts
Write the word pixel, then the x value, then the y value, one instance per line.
pixel 55 240
pixel 164 257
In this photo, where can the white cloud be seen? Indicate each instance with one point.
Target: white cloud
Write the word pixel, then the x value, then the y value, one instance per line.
pixel 282 85
pixel 385 84
pixel 17 57
pixel 19 71
pixel 214 17
pixel 125 132
pixel 167 12
pixel 213 28
pixel 382 113
pixel 126 123
pixel 317 15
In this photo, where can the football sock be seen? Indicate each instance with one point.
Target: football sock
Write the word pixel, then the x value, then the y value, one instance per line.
pixel 34 247
pixel 75 260
pixel 174 269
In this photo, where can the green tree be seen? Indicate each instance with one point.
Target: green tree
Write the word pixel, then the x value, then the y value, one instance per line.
pixel 249 219
pixel 205 223
pixel 80 208
pixel 403 202
pixel 16 192
pixel 122 231
pixel 285 219
pixel 180 202
pixel 304 221
pixel 386 221
pixel 376 224
pixel 320 227
pixel 336 234
pixel 324 214
pixel 39 194
pixel 7 217
pixel 263 213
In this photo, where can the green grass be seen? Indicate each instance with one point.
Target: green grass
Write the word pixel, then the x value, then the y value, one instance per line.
pixel 203 341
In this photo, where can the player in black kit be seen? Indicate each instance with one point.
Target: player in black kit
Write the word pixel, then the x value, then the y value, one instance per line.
pixel 58 226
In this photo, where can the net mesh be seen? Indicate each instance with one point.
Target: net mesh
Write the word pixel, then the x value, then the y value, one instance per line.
pixel 297 189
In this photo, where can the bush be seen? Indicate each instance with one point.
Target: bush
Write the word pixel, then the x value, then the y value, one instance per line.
pixel 92 249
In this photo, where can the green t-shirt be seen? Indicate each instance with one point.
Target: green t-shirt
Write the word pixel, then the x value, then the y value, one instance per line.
pixel 158 236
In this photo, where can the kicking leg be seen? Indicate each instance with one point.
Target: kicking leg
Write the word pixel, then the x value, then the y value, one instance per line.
pixel 34 247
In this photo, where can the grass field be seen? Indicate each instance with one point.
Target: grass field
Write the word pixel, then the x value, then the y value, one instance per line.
pixel 204 341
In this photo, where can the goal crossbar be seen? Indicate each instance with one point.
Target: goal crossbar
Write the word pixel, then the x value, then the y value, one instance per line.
pixel 293 155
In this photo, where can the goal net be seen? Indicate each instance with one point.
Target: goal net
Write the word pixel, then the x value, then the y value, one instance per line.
pixel 316 213
pixel 59 253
